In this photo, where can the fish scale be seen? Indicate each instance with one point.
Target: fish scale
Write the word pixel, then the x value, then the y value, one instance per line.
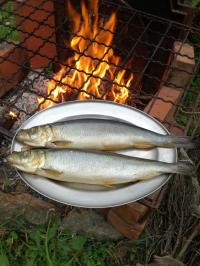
pixel 91 167
pixel 97 134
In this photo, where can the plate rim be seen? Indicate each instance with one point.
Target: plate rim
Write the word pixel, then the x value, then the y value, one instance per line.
pixel 91 101
pixel 85 102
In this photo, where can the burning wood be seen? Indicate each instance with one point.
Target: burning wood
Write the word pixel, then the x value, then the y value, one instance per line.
pixel 93 61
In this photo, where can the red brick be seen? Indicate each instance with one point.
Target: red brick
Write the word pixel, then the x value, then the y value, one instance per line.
pixel 177 130
pixel 161 108
pixel 132 231
pixel 46 31
pixel 184 50
pixel 182 61
pixel 131 212
pixel 11 70
pixel 153 199
pixel 130 219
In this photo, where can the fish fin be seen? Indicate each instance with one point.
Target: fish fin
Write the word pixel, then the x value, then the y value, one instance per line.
pixel 25 147
pixel 107 183
pixel 50 145
pixel 60 144
pixel 147 176
pixel 108 186
pixel 109 147
pixel 51 172
pixel 143 145
pixel 185 168
pixel 119 147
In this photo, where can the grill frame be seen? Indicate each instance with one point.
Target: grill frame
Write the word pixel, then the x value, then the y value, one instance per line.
pixel 190 112
pixel 186 30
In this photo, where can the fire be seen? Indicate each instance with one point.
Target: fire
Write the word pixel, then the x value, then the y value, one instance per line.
pixel 93 61
pixel 12 114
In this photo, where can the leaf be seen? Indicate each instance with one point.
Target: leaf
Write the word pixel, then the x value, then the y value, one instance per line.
pixel 69 263
pixel 77 242
pixel 52 232
pixel 35 236
pixel 4 260
pixel 31 255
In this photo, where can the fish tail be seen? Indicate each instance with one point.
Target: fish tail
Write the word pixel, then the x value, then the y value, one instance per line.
pixel 185 168
pixel 186 142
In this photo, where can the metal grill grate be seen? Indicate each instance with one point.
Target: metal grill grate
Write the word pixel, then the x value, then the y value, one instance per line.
pixel 150 48
pixel 162 55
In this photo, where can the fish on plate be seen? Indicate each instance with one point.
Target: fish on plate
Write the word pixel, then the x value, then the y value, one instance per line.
pixel 97 134
pixel 92 167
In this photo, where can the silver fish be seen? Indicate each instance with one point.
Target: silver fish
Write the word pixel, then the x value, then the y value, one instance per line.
pixel 91 167
pixel 97 134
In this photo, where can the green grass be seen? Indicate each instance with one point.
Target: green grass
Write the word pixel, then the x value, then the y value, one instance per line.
pixel 48 245
pixel 192 2
pixel 195 2
pixel 8 23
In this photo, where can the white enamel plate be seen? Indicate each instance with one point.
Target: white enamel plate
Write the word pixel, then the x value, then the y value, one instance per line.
pixel 91 196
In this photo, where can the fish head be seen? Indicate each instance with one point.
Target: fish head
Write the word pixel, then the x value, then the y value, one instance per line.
pixel 28 161
pixel 35 136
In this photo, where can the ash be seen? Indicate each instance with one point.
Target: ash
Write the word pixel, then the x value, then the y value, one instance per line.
pixel 25 96
pixel 22 100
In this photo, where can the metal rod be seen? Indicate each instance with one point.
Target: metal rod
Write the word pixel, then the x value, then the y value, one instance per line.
pixel 5 132
pixel 125 22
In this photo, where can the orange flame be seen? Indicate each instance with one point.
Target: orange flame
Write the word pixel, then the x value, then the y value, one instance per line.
pixel 92 61
pixel 12 114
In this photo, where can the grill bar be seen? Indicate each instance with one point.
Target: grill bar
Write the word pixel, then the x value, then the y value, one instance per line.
pixel 164 31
